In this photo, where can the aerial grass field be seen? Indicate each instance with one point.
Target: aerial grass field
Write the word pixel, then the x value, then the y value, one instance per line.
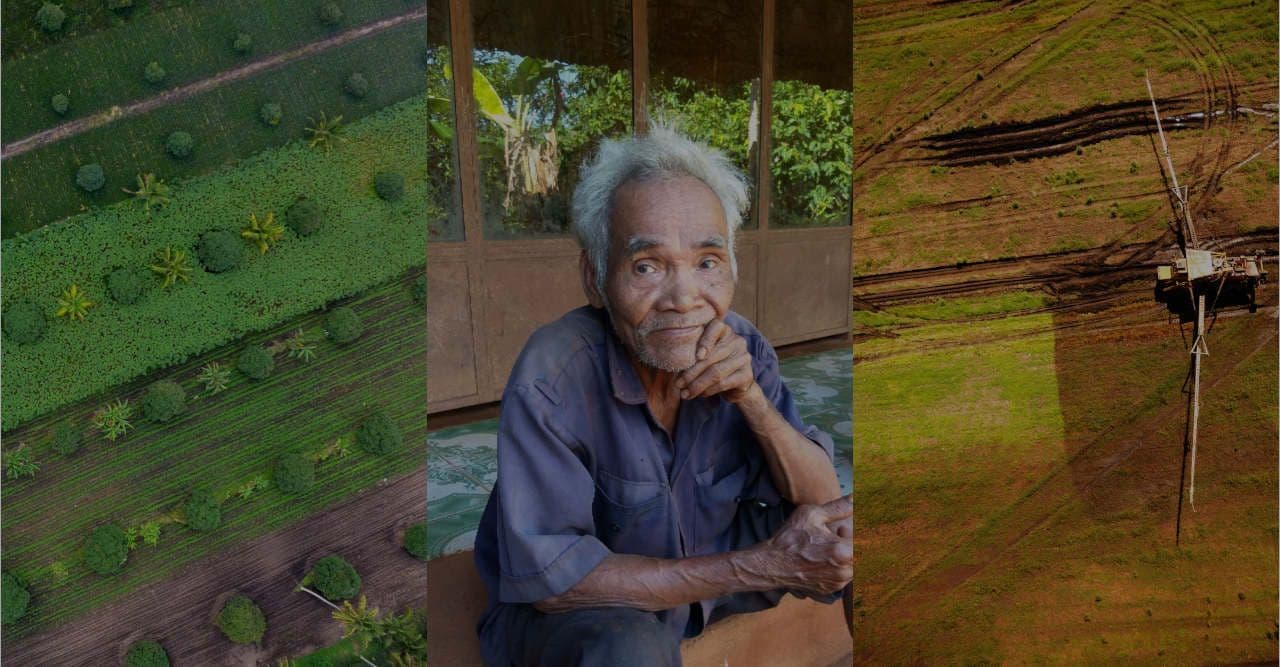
pixel 1019 396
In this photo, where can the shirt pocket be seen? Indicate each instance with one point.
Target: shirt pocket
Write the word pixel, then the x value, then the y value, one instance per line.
pixel 717 502
pixel 631 515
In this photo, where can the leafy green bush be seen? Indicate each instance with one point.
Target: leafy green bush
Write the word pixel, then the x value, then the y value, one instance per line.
pixel 154 72
pixel 295 473
pixel 356 85
pixel 342 325
pixel 305 217
pixel 15 597
pixel 125 285
pixel 241 620
pixel 202 510
pixel 116 5
pixel 219 250
pixel 335 578
pixel 106 549
pixel 179 144
pixel 243 43
pixel 146 653
pixel 24 323
pixel 60 103
pixel 389 185
pixel 50 17
pixel 420 289
pixel 271 113
pixel 341 261
pixel 163 401
pixel 378 434
pixel 330 14
pixel 90 177
pixel 68 438
pixel 256 362
pixel 415 540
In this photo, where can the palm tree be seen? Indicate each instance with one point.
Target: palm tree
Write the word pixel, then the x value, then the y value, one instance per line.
pixel 172 266
pixel 73 303
pixel 113 419
pixel 325 132
pixel 263 232
pixel 151 191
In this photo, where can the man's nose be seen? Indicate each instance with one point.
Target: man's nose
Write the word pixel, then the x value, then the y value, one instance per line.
pixel 683 293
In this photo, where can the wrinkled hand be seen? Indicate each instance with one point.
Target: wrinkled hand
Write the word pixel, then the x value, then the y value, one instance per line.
pixel 813 551
pixel 723 366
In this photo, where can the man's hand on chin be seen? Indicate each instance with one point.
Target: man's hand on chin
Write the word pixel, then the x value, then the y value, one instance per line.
pixel 723 367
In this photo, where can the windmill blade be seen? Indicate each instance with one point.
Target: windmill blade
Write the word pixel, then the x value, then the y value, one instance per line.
pixel 1180 194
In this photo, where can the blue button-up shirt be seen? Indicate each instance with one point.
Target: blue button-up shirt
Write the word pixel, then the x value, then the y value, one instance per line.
pixel 584 470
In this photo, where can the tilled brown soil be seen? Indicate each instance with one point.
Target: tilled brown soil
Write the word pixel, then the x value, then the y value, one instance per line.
pixel 178 612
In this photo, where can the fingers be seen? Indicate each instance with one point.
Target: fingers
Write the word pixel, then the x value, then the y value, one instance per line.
pixel 732 373
pixel 839 508
pixel 711 334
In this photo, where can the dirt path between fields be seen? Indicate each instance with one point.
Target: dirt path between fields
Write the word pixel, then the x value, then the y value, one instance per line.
pixel 81 125
pixel 178 611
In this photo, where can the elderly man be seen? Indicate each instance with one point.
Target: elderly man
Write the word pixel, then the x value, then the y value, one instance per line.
pixel 653 474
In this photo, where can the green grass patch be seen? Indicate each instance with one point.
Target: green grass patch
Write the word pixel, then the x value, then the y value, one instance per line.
pixel 39 186
pixel 96 73
pixel 223 440
pixel 364 242
pixel 952 309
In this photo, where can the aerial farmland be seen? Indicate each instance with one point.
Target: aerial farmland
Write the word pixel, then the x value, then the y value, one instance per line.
pixel 1021 399
pixel 214 331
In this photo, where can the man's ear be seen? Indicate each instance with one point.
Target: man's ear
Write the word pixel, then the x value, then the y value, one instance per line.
pixel 588 271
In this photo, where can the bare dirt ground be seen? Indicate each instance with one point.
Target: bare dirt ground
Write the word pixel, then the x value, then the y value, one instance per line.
pixel 81 125
pixel 178 612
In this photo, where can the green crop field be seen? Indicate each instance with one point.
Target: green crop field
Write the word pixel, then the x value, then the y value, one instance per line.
pixel 96 74
pixel 365 241
pixel 224 440
pixel 39 185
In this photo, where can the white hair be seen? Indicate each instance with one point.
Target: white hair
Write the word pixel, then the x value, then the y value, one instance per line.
pixel 661 154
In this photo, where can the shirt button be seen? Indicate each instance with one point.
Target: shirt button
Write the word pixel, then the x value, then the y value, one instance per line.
pixel 616 527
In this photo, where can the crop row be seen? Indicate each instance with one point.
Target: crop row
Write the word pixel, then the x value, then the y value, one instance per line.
pixel 240 434
pixel 226 124
pixel 96 74
pixel 365 240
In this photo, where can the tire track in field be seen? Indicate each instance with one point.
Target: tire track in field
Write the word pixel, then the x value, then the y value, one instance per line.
pixel 87 123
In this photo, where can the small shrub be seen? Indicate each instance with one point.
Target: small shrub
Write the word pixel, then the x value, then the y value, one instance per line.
pixel 125 286
pixel 163 401
pixel 241 620
pixel 335 578
pixel 219 251
pixel 415 540
pixel 295 473
pixel 24 323
pixel 179 144
pixel 330 14
pixel 356 85
pixel 154 72
pixel 256 362
pixel 67 438
pixel 119 4
pixel 146 653
pixel 90 177
pixel 305 217
pixel 202 510
pixel 60 103
pixel 420 289
pixel 106 550
pixel 243 43
pixel 378 434
pixel 343 325
pixel 978 76
pixel 19 463
pixel 389 185
pixel 14 597
pixel 270 113
pixel 50 17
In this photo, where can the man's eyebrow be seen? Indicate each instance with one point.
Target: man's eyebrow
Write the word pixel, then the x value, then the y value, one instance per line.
pixel 637 244
pixel 714 242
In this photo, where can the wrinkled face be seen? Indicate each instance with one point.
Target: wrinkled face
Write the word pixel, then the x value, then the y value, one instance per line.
pixel 669 271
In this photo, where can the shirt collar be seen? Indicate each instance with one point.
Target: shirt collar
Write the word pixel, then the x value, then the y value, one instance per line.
pixel 622 375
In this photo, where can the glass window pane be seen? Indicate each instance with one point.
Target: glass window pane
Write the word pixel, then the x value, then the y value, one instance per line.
pixel 705 76
pixel 811 161
pixel 444 214
pixel 549 85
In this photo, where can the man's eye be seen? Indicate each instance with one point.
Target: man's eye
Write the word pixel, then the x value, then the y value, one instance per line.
pixel 645 268
pixel 709 263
